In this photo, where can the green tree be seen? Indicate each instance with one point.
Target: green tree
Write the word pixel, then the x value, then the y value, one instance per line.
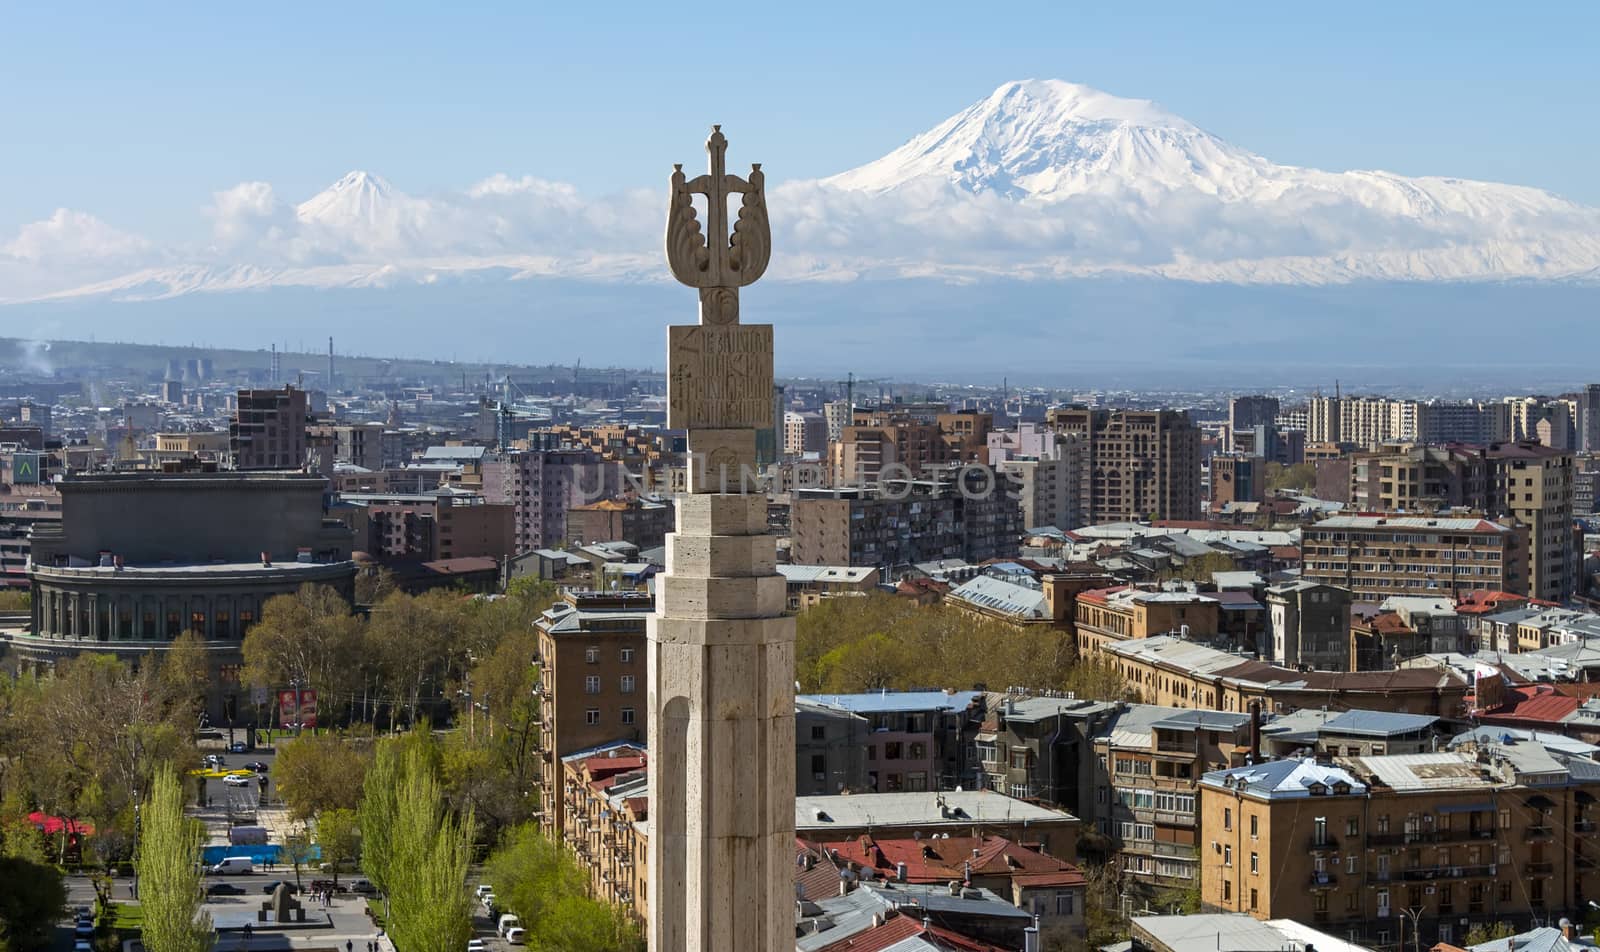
pixel 431 847
pixel 339 835
pixel 1301 477
pixel 308 638
pixel 168 864
pixel 185 672
pixel 1201 568
pixel 32 897
pixel 319 772
pixel 297 847
pixel 379 805
pixel 1488 932
pixel 547 889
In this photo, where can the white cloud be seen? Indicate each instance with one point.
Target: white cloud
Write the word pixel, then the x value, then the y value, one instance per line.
pixel 70 237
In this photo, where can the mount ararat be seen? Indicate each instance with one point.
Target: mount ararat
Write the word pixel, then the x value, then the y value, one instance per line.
pixel 1060 207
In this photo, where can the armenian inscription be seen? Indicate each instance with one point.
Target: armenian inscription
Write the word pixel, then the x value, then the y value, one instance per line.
pixel 719 376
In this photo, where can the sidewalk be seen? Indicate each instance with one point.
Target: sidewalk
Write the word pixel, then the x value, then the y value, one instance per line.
pixel 350 924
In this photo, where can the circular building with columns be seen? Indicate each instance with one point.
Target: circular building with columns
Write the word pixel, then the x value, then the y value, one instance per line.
pixel 139 558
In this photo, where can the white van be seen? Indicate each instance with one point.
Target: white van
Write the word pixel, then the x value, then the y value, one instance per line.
pixel 517 935
pixel 507 923
pixel 233 866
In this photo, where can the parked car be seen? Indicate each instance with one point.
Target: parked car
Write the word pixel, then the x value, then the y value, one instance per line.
pixel 237 747
pixel 327 885
pixel 476 945
pixel 508 922
pixel 84 929
pixel 224 889
pixel 233 866
pixel 483 889
pixel 82 945
pixel 238 779
pixel 257 766
pixel 363 887
pixel 517 935
pixel 270 887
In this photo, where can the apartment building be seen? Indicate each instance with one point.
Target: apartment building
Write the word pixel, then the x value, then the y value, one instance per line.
pixel 1124 612
pixel 1378 556
pixel 830 749
pixel 1172 672
pixel 915 739
pixel 542 485
pixel 1151 760
pixel 927 815
pixel 1417 478
pixel 1138 464
pixel 804 433
pixel 592 688
pixel 1588 419
pixel 1048 489
pixel 431 526
pixel 965 514
pixel 1245 413
pixel 643 522
pixel 268 430
pixel 1309 625
pixel 1372 421
pixel 1237 478
pixel 966 434
pixel 604 807
pixel 1437 843
pixel 1534 484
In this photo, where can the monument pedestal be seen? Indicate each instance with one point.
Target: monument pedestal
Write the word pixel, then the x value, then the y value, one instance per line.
pixel 721 670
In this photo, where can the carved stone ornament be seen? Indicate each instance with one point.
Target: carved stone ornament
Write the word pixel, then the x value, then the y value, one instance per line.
pixel 716 261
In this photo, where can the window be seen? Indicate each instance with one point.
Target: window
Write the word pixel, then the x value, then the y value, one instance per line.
pixel 1383 823
pixel 894 783
pixel 1227 856
pixel 1352 827
pixel 891 750
pixel 917 780
pixel 591 655
pixel 1505 819
pixel 627 684
pixel 1505 892
pixel 819 766
pixel 1255 826
pixel 1019 758
pixel 1227 818
pixel 819 732
pixel 872 751
pixel 591 684
pixel 1321 905
pixel 1255 895
pixel 627 715
pixel 1319 831
pixel 986 752
pixel 591 716
pixel 919 750
pixel 1255 863
pixel 1063 904
pixel 1227 891
pixel 1350 864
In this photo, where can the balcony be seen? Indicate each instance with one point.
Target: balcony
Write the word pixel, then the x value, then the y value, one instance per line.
pixel 1180 850
pixel 1586 827
pixel 1539 869
pixel 1324 880
pixel 1428 873
pixel 1429 836
pixel 1533 833
pixel 1322 844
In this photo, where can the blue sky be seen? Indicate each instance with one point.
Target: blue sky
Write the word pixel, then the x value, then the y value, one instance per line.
pixel 137 113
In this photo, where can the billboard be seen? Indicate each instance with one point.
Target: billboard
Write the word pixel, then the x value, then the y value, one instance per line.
pixel 297 709
pixel 25 468
pixel 288 709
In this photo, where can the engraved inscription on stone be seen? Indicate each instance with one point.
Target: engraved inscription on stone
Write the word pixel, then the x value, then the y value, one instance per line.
pixel 719 376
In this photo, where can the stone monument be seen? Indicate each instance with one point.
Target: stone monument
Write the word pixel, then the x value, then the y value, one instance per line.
pixel 721 652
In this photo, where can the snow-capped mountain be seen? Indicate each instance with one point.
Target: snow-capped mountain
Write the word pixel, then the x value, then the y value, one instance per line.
pixel 1041 180
pixel 1048 140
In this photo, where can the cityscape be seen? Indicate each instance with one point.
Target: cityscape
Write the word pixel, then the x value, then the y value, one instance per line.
pixel 1049 528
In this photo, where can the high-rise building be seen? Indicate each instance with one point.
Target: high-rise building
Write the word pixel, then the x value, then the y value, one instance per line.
pixel 957 514
pixel 1376 556
pixel 838 415
pixel 1236 479
pixel 1589 419
pixel 804 432
pixel 269 429
pixel 542 485
pixel 1412 478
pixel 1247 412
pixel 1138 464
pixel 1534 483
pixel 1372 421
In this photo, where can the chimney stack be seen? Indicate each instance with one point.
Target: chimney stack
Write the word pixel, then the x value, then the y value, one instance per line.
pixel 1255 732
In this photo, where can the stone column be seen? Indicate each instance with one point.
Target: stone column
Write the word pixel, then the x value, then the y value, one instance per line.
pixel 721 652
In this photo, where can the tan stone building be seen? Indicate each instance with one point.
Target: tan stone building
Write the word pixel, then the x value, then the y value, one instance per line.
pixel 1534 484
pixel 1376 556
pixel 1170 671
pixel 592 688
pixel 1124 613
pixel 605 803
pixel 1481 834
pixel 1140 464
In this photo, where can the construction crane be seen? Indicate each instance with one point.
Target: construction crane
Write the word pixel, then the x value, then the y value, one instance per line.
pixel 849 384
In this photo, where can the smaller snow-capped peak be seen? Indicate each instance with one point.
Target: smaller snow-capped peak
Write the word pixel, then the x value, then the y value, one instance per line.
pixel 359 196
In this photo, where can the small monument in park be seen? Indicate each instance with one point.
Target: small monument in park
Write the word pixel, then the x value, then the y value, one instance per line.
pixel 721 651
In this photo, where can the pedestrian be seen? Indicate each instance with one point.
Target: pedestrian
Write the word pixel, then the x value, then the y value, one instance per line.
pixel 349 945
